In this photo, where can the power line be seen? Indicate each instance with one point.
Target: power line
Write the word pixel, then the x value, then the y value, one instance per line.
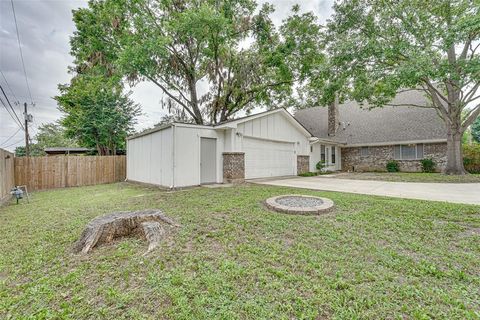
pixel 21 52
pixel 10 88
pixel 10 113
pixel 17 142
pixel 16 102
pixel 11 107
pixel 13 135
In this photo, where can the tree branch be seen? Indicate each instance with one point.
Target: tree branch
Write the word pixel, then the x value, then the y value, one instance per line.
pixel 436 101
pixel 472 54
pixel 431 88
pixel 471 93
pixel 471 117
pixel 184 106
pixel 464 53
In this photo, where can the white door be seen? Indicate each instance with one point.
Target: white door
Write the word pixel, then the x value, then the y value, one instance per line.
pixel 266 158
pixel 208 163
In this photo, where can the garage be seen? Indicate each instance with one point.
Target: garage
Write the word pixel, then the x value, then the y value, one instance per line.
pixel 268 158
pixel 263 145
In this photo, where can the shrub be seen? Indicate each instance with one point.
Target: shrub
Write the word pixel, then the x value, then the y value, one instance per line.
pixel 428 165
pixel 392 166
pixel 308 174
pixel 471 158
pixel 320 165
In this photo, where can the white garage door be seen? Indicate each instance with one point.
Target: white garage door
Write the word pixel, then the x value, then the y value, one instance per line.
pixel 265 158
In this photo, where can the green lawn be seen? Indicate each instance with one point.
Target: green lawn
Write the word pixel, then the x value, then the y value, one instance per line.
pixel 374 257
pixel 410 177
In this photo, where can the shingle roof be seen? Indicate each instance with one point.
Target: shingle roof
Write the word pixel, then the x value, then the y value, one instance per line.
pixel 379 125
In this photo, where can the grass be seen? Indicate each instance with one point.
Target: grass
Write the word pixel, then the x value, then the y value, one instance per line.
pixel 411 177
pixel 374 257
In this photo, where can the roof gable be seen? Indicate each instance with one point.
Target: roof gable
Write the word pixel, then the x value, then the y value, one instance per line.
pixel 233 123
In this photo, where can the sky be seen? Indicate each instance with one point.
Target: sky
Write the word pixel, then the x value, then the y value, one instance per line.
pixel 45 27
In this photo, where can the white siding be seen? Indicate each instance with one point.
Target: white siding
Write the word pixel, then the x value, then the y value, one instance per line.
pixel 275 127
pixel 315 157
pixel 271 144
pixel 187 154
pixel 149 158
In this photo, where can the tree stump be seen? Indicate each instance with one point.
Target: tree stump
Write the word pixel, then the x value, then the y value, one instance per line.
pixel 146 224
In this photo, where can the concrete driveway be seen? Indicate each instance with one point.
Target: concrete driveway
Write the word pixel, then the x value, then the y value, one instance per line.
pixel 468 193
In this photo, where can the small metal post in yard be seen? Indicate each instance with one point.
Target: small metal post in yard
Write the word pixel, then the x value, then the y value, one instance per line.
pixel 18 193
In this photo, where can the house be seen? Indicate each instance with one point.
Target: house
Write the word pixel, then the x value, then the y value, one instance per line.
pixel 274 143
pixel 267 144
pixel 368 139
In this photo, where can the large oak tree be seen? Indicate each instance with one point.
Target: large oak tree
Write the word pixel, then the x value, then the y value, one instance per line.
pixel 380 47
pixel 210 59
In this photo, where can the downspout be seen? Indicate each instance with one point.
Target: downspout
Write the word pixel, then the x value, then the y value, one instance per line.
pixel 173 156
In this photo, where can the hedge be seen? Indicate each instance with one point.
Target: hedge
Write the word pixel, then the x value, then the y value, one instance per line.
pixel 471 157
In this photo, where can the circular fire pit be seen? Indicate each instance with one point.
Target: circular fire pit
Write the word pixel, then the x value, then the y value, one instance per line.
pixel 299 204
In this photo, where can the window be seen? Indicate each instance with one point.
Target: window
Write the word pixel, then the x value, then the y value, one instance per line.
pixel 333 155
pixel 364 152
pixel 396 153
pixel 322 153
pixel 419 151
pixel 311 148
pixel 408 152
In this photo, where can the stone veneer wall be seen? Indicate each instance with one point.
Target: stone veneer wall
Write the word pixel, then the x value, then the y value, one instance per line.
pixel 380 155
pixel 303 164
pixel 234 167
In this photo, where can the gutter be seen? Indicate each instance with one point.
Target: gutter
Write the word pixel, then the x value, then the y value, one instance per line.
pixel 394 143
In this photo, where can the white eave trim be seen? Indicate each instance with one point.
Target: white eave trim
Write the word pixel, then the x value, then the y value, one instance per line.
pixel 233 123
pixel 394 143
pixel 192 125
pixel 326 141
pixel 149 131
pixel 174 124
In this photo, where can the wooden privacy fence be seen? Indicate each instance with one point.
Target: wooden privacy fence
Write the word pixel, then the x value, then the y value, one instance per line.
pixel 7 181
pixel 40 173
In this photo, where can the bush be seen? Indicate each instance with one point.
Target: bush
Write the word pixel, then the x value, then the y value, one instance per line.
pixel 320 165
pixel 392 166
pixel 308 174
pixel 428 165
pixel 471 158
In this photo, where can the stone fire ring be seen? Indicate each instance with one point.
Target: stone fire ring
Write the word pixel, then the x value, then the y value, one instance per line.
pixel 300 204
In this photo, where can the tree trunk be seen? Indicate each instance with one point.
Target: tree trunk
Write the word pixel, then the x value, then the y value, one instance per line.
pixel 194 100
pixel 454 151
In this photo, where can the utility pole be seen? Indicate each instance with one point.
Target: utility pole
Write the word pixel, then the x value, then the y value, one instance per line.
pixel 28 118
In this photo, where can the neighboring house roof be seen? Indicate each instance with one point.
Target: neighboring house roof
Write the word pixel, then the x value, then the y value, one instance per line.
pixel 62 150
pixel 379 126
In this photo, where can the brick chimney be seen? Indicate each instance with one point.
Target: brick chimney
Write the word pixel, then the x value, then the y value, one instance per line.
pixel 333 117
